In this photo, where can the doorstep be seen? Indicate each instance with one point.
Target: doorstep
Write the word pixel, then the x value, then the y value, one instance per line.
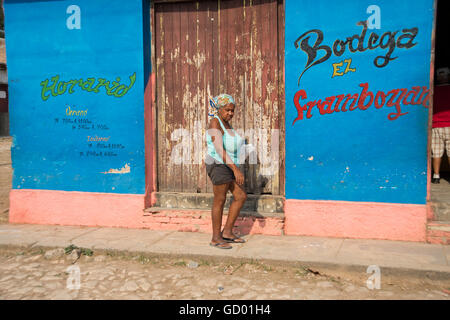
pixel 197 220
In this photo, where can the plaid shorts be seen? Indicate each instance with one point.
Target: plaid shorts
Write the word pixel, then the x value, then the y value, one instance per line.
pixel 440 138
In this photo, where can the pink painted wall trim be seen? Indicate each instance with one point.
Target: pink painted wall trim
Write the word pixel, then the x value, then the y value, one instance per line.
pixel 150 157
pixel 118 210
pixel 302 217
pixel 76 208
pixel 430 212
pixel 153 146
pixel 364 220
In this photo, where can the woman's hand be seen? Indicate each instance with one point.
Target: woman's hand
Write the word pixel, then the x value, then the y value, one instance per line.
pixel 239 176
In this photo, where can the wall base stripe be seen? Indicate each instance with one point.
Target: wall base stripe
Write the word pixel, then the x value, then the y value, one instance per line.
pixel 356 220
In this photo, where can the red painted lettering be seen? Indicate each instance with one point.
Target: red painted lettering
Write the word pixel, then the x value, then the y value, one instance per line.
pixel 380 94
pixel 300 109
pixel 363 96
pixel 391 103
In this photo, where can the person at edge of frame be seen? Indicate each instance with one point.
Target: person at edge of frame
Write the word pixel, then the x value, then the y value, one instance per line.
pixel 440 132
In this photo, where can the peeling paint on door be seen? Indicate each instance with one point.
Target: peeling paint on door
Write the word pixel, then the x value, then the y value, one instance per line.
pixel 204 48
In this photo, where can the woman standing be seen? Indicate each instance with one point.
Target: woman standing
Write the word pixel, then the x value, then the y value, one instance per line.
pixel 222 165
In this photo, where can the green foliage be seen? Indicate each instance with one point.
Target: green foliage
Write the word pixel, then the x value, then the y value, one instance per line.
pixel 180 263
pixel 69 249
pixel 87 252
pixel 143 259
pixel 83 251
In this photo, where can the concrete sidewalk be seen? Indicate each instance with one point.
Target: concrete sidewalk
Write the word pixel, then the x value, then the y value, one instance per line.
pixel 395 256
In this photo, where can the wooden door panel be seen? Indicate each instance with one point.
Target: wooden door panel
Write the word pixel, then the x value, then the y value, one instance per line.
pixel 204 48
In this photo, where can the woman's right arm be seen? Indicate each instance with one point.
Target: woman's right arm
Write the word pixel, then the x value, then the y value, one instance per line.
pixel 215 131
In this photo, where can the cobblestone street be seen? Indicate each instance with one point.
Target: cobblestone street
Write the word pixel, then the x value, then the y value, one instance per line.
pixel 39 274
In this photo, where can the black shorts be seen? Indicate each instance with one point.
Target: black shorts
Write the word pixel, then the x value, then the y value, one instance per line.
pixel 219 173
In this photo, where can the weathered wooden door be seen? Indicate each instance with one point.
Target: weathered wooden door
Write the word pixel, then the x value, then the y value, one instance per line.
pixel 204 48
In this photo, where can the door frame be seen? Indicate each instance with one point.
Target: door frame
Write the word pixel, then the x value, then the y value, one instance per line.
pixel 150 114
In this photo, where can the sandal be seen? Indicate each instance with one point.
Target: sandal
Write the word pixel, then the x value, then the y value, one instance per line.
pixel 234 240
pixel 219 245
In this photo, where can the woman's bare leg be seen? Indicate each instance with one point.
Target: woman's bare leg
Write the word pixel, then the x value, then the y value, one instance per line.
pixel 239 196
pixel 220 196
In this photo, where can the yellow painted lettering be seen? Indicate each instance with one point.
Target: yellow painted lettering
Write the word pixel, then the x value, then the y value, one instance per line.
pixel 348 69
pixel 336 68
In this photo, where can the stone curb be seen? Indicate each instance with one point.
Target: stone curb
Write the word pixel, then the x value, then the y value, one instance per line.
pixel 84 237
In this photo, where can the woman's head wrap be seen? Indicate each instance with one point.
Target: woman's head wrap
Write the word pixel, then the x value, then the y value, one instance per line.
pixel 218 102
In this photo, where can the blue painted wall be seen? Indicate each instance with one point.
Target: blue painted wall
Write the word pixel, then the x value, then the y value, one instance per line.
pixel 365 152
pixel 52 147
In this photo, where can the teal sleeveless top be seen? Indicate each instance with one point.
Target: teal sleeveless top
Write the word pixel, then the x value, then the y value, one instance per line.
pixel 231 144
